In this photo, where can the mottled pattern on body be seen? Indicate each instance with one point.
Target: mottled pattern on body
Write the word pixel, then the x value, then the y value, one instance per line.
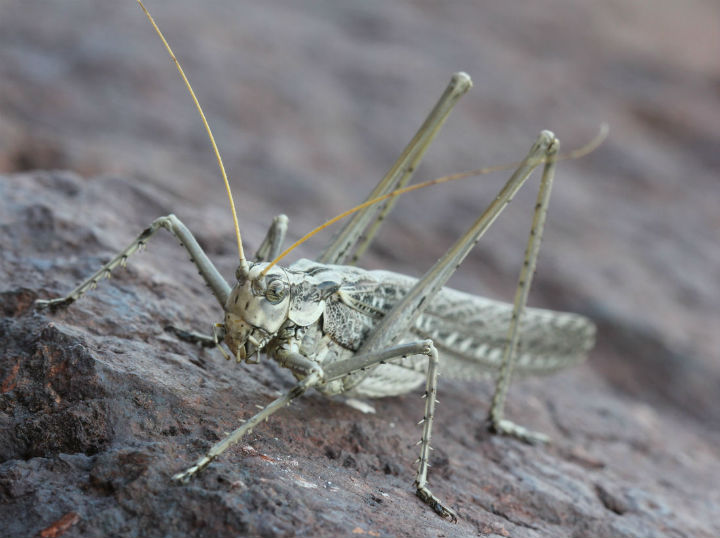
pixel 469 331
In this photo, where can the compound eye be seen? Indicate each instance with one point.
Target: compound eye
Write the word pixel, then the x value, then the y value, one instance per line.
pixel 276 291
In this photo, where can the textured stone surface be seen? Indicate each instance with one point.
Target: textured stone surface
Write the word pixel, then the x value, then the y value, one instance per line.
pixel 99 406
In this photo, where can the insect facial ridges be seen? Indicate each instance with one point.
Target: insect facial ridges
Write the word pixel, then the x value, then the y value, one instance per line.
pixel 243 265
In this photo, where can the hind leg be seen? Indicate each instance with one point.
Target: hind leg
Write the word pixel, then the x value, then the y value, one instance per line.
pixel 272 244
pixel 352 240
pixel 498 423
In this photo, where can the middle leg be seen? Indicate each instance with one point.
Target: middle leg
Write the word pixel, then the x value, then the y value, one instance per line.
pixel 424 347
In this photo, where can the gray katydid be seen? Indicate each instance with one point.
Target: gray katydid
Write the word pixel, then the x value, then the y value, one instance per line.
pixel 344 330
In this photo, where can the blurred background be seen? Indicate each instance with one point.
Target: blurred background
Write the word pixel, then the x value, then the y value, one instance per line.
pixel 311 102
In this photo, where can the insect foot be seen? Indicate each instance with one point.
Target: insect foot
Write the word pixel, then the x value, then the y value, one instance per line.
pixel 187 474
pixel 433 502
pixel 509 428
pixel 53 304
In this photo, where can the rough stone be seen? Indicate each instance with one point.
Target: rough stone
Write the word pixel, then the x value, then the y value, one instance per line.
pixel 99 405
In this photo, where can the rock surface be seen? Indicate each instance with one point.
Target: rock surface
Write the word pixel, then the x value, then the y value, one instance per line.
pixel 99 405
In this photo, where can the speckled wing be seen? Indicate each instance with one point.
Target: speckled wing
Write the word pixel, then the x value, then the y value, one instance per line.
pixel 470 332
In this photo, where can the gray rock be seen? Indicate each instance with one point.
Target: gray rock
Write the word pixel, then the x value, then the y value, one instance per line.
pixel 99 406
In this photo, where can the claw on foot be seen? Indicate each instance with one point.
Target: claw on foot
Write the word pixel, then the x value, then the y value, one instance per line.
pixel 183 477
pixel 187 474
pixel 52 304
pixel 433 502
pixel 506 427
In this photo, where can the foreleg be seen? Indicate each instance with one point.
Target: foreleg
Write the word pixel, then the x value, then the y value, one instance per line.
pixel 203 340
pixel 192 337
pixel 213 278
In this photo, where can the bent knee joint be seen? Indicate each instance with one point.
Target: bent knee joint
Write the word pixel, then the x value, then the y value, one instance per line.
pixel 430 350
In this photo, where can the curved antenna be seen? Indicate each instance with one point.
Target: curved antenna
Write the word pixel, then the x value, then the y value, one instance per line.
pixel 574 154
pixel 241 254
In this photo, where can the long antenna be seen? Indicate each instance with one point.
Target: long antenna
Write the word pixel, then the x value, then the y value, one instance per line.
pixel 574 154
pixel 241 253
